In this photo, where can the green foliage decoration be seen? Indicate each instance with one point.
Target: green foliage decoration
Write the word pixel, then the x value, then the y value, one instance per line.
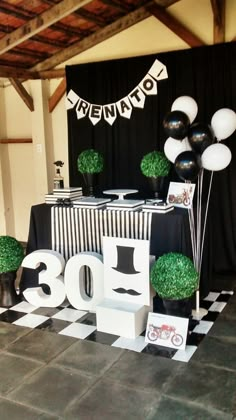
pixel 155 164
pixel 174 276
pixel 11 254
pixel 90 162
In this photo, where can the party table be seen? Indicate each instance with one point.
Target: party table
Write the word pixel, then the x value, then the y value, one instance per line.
pixel 72 230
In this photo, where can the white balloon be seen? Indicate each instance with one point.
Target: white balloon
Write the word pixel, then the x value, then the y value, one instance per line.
pixel 187 105
pixel 173 147
pixel 223 123
pixel 216 157
pixel 186 144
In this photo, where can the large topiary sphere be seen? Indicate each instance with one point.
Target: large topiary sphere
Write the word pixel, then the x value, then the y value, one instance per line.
pixel 11 254
pixel 155 164
pixel 174 276
pixel 90 162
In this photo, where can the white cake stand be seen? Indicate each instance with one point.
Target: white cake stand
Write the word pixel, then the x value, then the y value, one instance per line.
pixel 121 193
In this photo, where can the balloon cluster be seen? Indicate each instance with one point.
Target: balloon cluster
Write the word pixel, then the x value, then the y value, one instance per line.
pixel 195 146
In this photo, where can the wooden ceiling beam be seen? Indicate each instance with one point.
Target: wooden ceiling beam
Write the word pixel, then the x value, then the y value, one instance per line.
pixel 175 26
pixel 10 72
pixel 165 3
pixel 94 39
pixel 124 8
pixel 218 9
pixel 11 141
pixel 39 23
pixel 28 100
pixel 57 95
pixel 15 72
pixel 49 74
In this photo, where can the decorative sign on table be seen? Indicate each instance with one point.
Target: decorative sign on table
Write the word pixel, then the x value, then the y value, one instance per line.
pixel 167 331
pixel 180 194
pixel 126 270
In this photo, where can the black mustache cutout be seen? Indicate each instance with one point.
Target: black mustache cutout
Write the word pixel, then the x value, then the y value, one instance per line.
pixel 129 291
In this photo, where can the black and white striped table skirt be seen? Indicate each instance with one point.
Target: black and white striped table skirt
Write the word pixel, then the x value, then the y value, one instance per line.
pixel 75 230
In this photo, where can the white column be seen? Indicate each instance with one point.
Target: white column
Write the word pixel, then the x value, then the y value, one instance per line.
pixel 38 90
pixel 2 146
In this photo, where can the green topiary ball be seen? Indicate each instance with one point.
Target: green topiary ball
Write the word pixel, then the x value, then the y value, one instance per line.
pixel 90 162
pixel 11 254
pixel 155 164
pixel 174 276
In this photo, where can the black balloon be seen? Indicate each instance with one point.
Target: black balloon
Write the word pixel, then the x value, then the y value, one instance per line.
pixel 176 124
pixel 187 165
pixel 200 137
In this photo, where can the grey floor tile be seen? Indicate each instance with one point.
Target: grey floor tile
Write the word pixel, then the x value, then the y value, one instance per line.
pixel 216 351
pixel 89 357
pixel 14 370
pixel 108 400
pixel 225 328
pixel 210 387
pixel 10 333
pixel 230 309
pixel 143 371
pixel 13 411
pixel 171 409
pixel 52 389
pixel 41 345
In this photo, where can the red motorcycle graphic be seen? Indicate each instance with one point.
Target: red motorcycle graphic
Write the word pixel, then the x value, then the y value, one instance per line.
pixel 183 198
pixel 164 332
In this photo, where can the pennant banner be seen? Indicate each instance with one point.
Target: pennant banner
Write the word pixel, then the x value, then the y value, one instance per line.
pixel 124 106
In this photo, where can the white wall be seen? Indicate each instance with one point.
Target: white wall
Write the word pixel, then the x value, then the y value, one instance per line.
pixel 27 170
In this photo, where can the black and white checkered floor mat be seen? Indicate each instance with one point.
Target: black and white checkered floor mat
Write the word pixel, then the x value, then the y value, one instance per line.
pixel 82 325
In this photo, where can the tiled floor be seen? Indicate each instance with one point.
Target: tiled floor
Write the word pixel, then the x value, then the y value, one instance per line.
pixel 55 376
pixel 68 321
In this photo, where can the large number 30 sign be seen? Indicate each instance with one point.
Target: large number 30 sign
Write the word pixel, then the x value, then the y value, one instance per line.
pixel 71 285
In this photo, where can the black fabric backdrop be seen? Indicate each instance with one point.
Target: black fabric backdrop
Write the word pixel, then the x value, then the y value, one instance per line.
pixel 208 75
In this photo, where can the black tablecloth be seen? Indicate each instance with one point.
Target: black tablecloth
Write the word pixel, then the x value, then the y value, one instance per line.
pixel 169 232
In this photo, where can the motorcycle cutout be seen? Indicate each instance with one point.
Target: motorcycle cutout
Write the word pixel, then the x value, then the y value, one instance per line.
pixel 166 331
pixel 180 194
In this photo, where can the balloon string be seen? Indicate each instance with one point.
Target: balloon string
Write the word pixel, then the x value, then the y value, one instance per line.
pixel 199 218
pixel 205 219
pixel 192 234
pixel 192 230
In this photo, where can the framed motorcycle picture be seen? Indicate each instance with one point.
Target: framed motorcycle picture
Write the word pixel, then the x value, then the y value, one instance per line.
pixel 165 330
pixel 180 194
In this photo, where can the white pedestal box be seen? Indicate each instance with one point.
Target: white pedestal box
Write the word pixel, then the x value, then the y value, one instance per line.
pixel 122 318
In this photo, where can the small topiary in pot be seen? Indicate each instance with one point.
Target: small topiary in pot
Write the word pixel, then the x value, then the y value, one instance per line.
pixel 11 256
pixel 155 166
pixel 175 279
pixel 90 162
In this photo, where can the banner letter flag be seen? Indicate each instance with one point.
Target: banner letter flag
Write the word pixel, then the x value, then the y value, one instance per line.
pixel 109 113
pixel 82 108
pixel 71 99
pixel 148 85
pixel 158 71
pixel 95 113
pixel 124 107
pixel 137 98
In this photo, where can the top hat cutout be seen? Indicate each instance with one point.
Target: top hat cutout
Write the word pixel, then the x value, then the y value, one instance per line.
pixel 125 262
